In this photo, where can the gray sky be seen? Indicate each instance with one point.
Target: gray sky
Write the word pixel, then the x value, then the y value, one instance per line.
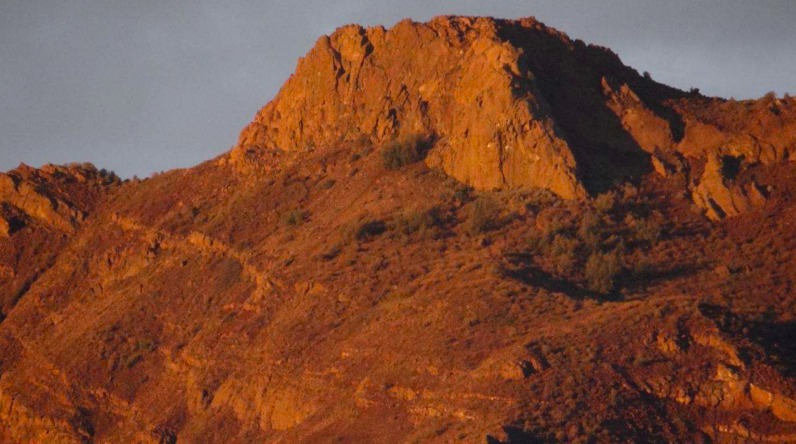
pixel 149 85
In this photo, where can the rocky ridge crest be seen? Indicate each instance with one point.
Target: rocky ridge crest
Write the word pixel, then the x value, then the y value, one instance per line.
pixel 514 104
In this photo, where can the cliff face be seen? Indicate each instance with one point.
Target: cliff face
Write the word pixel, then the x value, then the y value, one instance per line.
pixel 455 82
pixel 508 104
pixel 303 289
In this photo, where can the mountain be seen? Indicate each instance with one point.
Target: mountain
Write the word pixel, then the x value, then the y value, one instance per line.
pixel 470 230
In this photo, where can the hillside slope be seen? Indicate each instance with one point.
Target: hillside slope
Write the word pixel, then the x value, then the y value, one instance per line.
pixel 469 230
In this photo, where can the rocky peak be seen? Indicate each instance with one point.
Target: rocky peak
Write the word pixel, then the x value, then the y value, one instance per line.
pixel 508 104
pixel 455 80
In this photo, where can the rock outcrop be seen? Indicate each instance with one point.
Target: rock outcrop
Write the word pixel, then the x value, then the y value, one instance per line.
pixel 49 195
pixel 720 194
pixel 508 104
pixel 454 81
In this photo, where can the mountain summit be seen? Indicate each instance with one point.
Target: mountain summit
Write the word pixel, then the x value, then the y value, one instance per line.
pixel 466 230
pixel 510 104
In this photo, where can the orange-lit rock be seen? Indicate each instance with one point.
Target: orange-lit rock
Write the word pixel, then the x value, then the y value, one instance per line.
pixel 304 288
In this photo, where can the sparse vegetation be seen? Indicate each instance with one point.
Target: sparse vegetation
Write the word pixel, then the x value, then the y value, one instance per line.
pixel 331 253
pixel 402 152
pixel 590 230
pixel 483 215
pixel 605 203
pixel 463 193
pixel 563 253
pixel 294 217
pixel 369 229
pixel 426 223
pixel 326 184
pixel 255 293
pixel 648 230
pixel 601 271
pixel 589 249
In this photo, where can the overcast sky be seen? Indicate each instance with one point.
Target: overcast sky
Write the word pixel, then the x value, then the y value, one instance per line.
pixel 149 85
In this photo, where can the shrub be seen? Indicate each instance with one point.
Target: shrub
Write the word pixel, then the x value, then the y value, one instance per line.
pixel 564 250
pixel 537 242
pixel 414 221
pixel 369 229
pixel 557 224
pixel 402 152
pixel 133 359
pixel 601 271
pixel 605 203
pixel 145 344
pixel 331 253
pixel 462 193
pixel 642 268
pixel 108 175
pixel 294 218
pixel 629 191
pixel 326 184
pixel 590 230
pixel 648 230
pixel 483 215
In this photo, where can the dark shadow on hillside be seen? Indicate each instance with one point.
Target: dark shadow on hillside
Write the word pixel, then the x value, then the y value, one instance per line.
pixel 779 341
pixel 651 277
pixel 516 435
pixel 522 269
pixel 776 338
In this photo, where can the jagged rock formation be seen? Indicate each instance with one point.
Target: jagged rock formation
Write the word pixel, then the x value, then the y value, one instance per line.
pixel 508 104
pixel 299 289
pixel 30 192
pixel 453 81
